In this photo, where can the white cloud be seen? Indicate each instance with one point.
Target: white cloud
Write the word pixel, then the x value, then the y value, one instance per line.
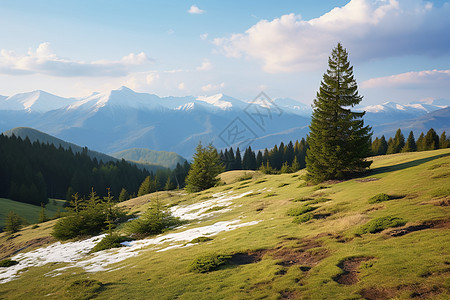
pixel 195 10
pixel 206 65
pixel 44 61
pixel 204 36
pixel 181 86
pixel 212 87
pixel 150 79
pixel 421 79
pixel 367 28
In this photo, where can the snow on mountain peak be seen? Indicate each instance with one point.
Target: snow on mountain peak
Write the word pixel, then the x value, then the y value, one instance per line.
pixel 216 100
pixel 36 101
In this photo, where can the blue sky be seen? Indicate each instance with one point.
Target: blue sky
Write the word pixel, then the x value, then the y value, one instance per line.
pixel 400 49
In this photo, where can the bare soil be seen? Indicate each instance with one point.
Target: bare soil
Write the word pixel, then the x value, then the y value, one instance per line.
pixel 433 224
pixel 350 272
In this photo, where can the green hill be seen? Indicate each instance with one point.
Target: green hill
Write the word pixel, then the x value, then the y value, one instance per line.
pixel 162 158
pixel 277 238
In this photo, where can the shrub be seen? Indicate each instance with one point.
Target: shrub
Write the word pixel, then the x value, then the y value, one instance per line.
pixel 110 241
pixel 201 239
pixel 154 221
pixel 379 198
pixel 13 222
pixel 83 288
pixel 319 200
pixel 246 176
pixel 297 211
pixel 208 263
pixel 303 218
pixel 7 263
pixel 380 224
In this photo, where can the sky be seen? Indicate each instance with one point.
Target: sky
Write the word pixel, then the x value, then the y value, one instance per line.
pixel 400 49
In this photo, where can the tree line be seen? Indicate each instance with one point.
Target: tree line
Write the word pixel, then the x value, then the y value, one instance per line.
pixel 33 172
pixel 282 158
pixel 397 144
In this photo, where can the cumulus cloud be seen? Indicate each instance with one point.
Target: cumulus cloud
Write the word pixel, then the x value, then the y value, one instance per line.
pixel 421 79
pixel 44 61
pixel 206 65
pixel 150 78
pixel 204 36
pixel 195 10
pixel 367 28
pixel 212 87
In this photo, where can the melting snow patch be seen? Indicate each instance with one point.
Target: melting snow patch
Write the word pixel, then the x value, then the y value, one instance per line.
pixel 77 253
pixel 199 210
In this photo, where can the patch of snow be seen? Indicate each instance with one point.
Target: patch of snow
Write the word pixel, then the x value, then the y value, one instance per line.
pixel 216 100
pixel 198 210
pixel 55 253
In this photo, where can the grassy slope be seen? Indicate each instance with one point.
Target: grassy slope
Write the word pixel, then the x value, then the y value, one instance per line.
pixel 27 211
pixel 415 264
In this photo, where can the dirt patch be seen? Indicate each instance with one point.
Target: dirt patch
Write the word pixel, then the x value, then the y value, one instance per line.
pixel 9 249
pixel 435 224
pixel 368 179
pixel 246 257
pixel 306 252
pixel 289 295
pixel 350 272
pixel 378 293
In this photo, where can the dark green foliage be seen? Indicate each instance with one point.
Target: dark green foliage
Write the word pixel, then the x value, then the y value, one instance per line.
pixel 431 140
pixel 204 170
pixel 297 211
pixel 110 241
pixel 154 221
pixel 420 143
pixel 146 187
pixel 124 196
pixel 303 218
pixel 13 222
pixel 208 263
pixel 267 169
pixel 379 198
pixel 397 143
pixel 7 263
pixel 82 289
pixel 443 141
pixel 379 146
pixel 88 217
pixel 380 224
pixel 201 239
pixel 410 145
pixel 338 140
pixel 34 172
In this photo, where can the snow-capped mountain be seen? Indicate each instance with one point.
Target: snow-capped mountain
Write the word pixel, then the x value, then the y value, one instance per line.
pixel 123 119
pixel 36 101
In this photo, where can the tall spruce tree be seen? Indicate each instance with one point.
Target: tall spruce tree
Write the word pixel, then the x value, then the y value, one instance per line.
pixel 410 145
pixel 338 140
pixel 204 169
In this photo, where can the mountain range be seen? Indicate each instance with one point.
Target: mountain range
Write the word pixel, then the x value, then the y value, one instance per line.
pixel 123 119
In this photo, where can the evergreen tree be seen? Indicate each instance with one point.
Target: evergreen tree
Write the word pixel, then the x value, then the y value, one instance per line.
pixel 13 222
pixel 295 165
pixel 144 189
pixel 42 215
pixel 204 169
pixel 169 185
pixel 397 143
pixel 238 160
pixel 289 153
pixel 443 141
pixel 123 196
pixel 259 159
pixel 338 140
pixel 383 146
pixel 420 143
pixel 431 140
pixel 376 144
pixel 410 145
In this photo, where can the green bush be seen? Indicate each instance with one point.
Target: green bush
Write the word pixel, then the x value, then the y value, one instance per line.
pixel 7 263
pixel 379 198
pixel 297 211
pixel 303 218
pixel 110 241
pixel 208 263
pixel 83 289
pixel 154 221
pixel 319 200
pixel 201 239
pixel 380 224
